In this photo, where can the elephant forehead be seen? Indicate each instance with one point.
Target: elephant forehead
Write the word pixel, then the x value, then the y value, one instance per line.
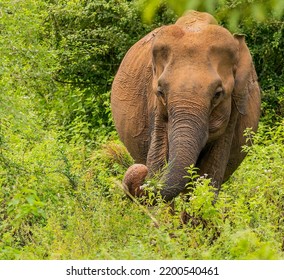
pixel 170 32
pixel 195 39
pixel 214 35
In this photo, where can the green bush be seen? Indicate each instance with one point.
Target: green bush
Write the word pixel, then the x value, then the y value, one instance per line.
pixel 91 38
pixel 266 43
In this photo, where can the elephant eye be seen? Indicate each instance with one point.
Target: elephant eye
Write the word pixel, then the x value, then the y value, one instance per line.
pixel 217 96
pixel 218 93
pixel 160 93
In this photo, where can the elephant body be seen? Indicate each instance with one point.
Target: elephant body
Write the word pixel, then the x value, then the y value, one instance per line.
pixel 184 94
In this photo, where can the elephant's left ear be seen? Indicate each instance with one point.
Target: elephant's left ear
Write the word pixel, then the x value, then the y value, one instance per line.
pixel 245 76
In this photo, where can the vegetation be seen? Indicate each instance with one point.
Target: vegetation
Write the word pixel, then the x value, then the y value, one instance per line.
pixel 233 11
pixel 61 161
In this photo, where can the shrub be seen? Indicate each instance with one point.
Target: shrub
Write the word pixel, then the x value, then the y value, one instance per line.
pixel 91 38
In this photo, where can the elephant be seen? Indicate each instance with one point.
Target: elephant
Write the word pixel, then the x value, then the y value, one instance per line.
pixel 184 95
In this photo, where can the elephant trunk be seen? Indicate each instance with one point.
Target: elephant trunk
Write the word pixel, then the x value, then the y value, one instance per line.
pixel 188 134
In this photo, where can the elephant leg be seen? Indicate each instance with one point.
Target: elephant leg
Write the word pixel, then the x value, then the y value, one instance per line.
pixel 136 174
pixel 214 161
pixel 244 122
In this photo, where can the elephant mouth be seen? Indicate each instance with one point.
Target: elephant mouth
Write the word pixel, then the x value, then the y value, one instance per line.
pixel 204 151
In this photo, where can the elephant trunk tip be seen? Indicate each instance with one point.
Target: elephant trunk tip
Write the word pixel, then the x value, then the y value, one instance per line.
pixel 134 179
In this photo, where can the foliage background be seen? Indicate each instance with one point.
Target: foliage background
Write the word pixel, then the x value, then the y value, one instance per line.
pixel 61 161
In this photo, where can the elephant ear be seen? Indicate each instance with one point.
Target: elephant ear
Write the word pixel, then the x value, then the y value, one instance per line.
pixel 245 76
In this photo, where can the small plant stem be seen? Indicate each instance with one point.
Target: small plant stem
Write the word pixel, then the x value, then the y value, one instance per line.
pixel 143 208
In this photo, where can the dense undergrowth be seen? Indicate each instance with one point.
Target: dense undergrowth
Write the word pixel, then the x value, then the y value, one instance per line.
pixel 61 161
pixel 64 202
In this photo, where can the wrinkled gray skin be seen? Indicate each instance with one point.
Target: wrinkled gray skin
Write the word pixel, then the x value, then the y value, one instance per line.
pixel 184 94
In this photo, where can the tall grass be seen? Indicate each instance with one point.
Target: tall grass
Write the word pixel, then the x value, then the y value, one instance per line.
pixel 65 204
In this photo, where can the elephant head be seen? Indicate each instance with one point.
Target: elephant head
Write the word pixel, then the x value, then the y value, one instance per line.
pixel 202 77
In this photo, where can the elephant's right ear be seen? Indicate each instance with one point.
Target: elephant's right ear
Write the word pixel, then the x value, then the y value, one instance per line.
pixel 245 77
